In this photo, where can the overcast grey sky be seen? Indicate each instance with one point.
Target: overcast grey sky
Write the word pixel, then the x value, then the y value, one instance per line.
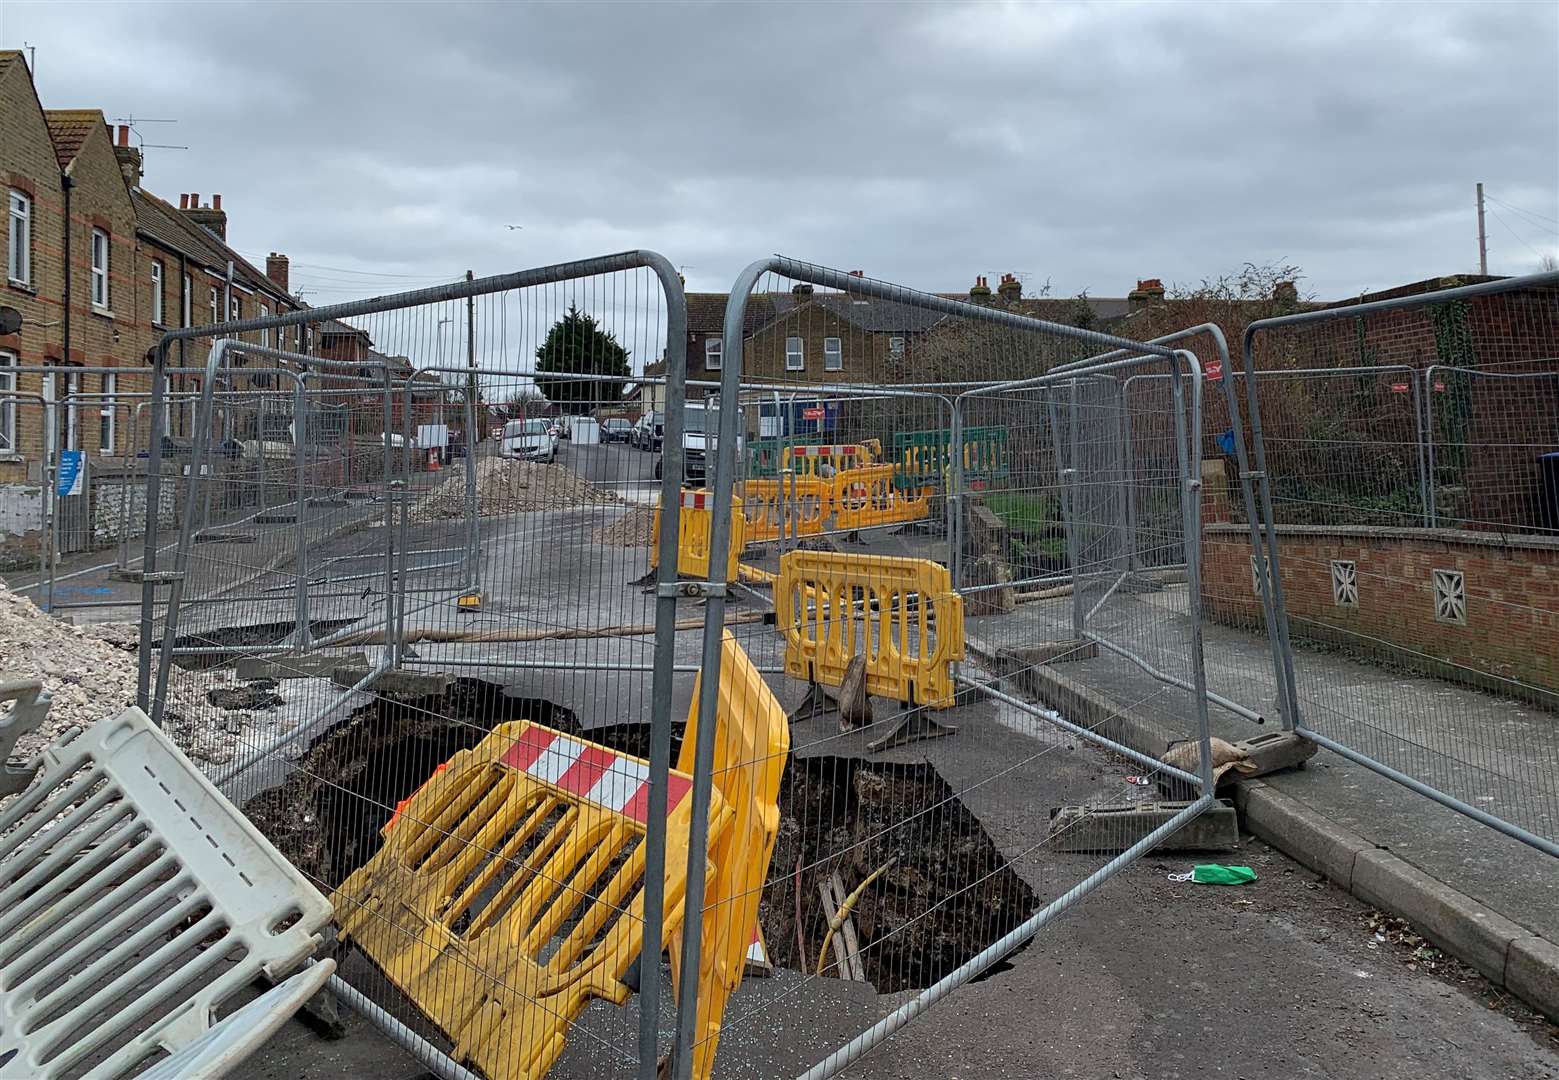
pixel 1089 145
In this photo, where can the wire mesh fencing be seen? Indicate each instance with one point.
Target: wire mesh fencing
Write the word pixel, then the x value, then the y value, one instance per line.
pixel 914 845
pixel 1440 414
pixel 409 639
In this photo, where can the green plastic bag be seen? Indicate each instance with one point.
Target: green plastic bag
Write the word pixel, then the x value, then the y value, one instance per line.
pixel 1217 874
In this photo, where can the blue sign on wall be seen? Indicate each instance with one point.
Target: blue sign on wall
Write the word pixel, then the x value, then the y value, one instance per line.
pixel 69 480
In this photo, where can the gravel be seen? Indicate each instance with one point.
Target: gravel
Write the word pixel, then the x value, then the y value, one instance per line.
pixel 509 487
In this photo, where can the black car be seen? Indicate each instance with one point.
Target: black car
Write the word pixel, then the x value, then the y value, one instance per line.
pixel 615 429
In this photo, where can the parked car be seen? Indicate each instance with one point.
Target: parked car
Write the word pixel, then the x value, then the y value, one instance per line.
pixel 615 429
pixel 530 440
pixel 648 431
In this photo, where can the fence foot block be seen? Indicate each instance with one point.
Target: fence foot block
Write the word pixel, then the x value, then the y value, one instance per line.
pixel 912 727
pixel 1275 750
pixel 396 683
pixel 1115 828
pixel 225 536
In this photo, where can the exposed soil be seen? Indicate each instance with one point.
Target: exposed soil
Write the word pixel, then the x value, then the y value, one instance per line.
pixel 325 818
pixel 237 637
pixel 947 894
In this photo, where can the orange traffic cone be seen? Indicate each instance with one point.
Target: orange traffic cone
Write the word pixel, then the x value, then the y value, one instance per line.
pixel 433 465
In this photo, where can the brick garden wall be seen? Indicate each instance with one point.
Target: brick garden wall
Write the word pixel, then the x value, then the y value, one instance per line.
pixel 1511 604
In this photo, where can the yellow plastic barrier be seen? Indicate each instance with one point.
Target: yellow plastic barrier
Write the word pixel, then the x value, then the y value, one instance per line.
pixel 808 460
pixel 509 890
pixel 531 840
pixel 867 496
pixel 694 519
pixel 807 502
pixel 902 614
pixel 752 741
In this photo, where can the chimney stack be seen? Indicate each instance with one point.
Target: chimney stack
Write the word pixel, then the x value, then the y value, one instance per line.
pixel 981 293
pixel 211 218
pixel 1010 289
pixel 276 269
pixel 129 157
pixel 184 201
pixel 1285 292
pixel 1148 291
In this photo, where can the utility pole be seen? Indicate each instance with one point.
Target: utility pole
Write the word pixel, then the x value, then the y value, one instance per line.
pixel 1483 238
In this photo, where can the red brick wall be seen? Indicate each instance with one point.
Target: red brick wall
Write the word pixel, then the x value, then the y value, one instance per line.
pixel 1512 593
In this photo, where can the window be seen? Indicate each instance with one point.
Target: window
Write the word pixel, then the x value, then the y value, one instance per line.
pixel 167 405
pixel 233 309
pixel 19 263
pixel 188 300
pixel 795 358
pixel 265 332
pixel 105 415
pixel 100 269
pixel 157 292
pixel 714 353
pixel 895 348
pixel 7 408
pixel 216 309
pixel 833 354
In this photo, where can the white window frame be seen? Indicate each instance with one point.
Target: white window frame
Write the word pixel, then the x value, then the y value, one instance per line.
pixel 157 293
pixel 232 308
pixel 167 405
pixel 216 307
pixel 833 354
pixel 108 423
pixel 265 332
pixel 187 300
pixel 19 230
pixel 895 348
pixel 714 352
pixel 795 354
pixel 7 408
pixel 102 254
pixel 72 410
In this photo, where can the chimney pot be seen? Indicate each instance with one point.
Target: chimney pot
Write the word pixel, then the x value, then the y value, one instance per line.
pixel 124 135
pixel 276 268
pixel 1010 289
pixel 194 200
pixel 216 202
pixel 184 201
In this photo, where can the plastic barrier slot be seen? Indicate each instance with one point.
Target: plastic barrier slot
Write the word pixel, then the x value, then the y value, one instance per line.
pixel 869 496
pixel 807 504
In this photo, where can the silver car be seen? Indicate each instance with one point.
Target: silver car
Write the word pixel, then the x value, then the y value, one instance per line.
pixel 529 440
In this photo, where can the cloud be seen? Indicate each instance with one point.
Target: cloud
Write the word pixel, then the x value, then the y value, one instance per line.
pixel 1087 144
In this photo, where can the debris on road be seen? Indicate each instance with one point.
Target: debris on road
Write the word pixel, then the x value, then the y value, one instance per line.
pixel 1217 874
pixel 510 487
pixel 636 528
pixel 89 677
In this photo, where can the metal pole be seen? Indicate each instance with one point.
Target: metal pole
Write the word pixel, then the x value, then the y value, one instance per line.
pixel 1431 510
pixel 301 635
pixel 664 661
pixel 473 529
pixel 1483 238
pixel 1191 519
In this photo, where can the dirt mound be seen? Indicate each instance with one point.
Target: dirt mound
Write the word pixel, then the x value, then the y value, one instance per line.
pixel 636 528
pixel 89 677
pixel 504 486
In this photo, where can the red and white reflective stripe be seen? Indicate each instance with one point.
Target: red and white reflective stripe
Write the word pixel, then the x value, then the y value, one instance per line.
pixel 592 773
pixel 696 500
pixel 755 951
pixel 847 450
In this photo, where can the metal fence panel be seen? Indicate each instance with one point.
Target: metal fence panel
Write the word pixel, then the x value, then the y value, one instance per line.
pixel 1433 567
pixel 376 568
